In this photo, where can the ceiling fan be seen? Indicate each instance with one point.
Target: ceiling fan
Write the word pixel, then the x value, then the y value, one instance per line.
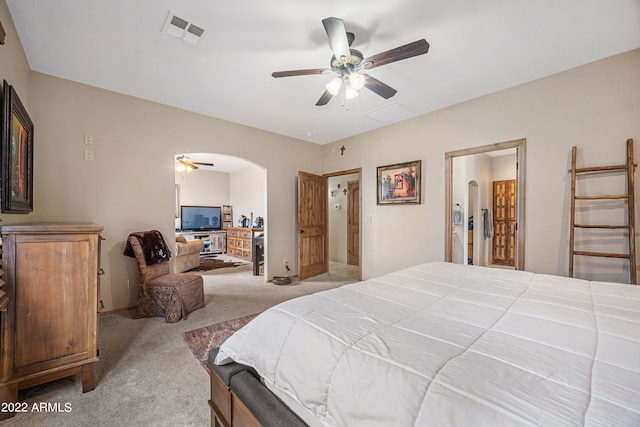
pixel 349 63
pixel 187 165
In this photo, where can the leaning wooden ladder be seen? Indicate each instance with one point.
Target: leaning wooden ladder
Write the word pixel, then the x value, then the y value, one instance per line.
pixel 628 168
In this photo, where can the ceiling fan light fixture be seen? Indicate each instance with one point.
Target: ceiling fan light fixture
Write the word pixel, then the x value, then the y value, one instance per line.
pixel 350 92
pixel 347 64
pixel 184 168
pixel 185 164
pixel 357 81
pixel 334 86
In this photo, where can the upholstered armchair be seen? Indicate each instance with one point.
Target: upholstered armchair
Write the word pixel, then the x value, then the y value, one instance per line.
pixel 162 293
pixel 187 253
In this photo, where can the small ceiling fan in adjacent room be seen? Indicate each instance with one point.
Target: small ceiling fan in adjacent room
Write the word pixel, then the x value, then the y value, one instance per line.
pixel 187 165
pixel 349 64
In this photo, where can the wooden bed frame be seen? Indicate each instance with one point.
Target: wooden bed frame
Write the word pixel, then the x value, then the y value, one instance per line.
pixel 239 399
pixel 226 407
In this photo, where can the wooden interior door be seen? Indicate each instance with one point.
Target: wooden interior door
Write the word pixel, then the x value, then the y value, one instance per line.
pixel 353 223
pixel 313 252
pixel 504 222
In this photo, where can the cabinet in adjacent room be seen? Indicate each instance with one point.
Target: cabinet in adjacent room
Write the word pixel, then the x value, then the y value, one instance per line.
pixel 49 329
pixel 239 242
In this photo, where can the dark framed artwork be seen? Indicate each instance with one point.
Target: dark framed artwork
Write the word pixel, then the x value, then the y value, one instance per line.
pixel 400 183
pixel 2 34
pixel 16 154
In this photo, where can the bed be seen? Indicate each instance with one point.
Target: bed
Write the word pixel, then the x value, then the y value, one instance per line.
pixel 438 344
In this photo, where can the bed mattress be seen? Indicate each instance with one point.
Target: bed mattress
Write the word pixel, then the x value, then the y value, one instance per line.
pixel 446 344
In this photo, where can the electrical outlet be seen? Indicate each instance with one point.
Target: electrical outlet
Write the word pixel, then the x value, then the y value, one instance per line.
pixel 88 139
pixel 285 261
pixel 88 155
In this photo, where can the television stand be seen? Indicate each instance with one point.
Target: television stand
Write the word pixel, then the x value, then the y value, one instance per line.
pixel 215 241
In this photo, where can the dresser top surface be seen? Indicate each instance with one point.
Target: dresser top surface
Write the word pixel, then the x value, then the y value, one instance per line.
pixel 52 227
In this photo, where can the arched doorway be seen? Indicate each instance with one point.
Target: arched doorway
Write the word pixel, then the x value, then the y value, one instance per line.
pixel 225 181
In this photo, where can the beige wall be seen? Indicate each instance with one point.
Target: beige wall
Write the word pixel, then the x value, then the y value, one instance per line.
pixel 130 184
pixel 244 190
pixel 503 167
pixel 596 107
pixel 14 67
pixel 248 194
pixel 338 218
pixel 202 188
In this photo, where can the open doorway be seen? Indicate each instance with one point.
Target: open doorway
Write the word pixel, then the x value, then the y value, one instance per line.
pixel 317 197
pixel 344 224
pixel 235 185
pixel 485 202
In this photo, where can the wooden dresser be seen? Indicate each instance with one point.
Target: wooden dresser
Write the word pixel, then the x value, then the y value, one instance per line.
pixel 49 329
pixel 239 242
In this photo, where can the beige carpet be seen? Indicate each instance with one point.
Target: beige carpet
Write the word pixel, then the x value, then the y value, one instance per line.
pixel 146 375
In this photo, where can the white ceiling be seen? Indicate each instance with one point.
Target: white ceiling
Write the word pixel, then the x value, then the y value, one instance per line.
pixel 477 47
pixel 221 163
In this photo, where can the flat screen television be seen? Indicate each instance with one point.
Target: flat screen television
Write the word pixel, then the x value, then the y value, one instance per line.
pixel 200 218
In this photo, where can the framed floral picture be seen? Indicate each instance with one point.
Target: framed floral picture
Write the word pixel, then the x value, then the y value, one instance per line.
pixel 400 183
pixel 16 154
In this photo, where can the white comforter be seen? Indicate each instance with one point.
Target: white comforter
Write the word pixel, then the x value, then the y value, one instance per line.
pixel 443 344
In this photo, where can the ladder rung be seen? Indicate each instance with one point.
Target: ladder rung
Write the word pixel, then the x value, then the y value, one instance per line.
pixel 620 196
pixel 628 197
pixel 601 254
pixel 601 226
pixel 602 168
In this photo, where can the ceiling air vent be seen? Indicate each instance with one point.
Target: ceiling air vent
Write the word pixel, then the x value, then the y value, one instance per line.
pixel 183 29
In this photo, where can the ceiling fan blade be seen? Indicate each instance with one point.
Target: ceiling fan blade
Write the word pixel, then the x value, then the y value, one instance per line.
pixel 337 37
pixel 202 164
pixel 376 86
pixel 419 47
pixel 292 73
pixel 324 99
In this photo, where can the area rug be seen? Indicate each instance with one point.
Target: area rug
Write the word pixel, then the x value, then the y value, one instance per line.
pixel 210 263
pixel 202 340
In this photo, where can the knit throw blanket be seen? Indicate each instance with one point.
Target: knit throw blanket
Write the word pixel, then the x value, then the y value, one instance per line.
pixel 154 247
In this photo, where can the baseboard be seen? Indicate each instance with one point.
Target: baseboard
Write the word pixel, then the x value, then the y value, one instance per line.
pixel 116 311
